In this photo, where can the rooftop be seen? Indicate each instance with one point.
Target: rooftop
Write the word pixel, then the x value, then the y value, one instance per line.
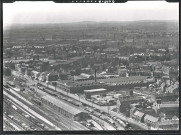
pixel 67 61
pixel 139 114
pixel 61 104
pixel 112 81
pixel 95 90
pixel 151 118
pixel 111 50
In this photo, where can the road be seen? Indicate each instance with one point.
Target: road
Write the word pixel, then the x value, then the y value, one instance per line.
pixel 122 117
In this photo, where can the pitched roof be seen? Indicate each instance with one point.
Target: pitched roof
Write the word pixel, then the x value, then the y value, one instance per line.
pixel 175 118
pixel 114 81
pixel 61 104
pixel 111 50
pixel 139 114
pixel 151 118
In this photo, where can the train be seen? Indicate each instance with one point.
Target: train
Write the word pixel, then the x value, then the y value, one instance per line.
pixel 36 101
pixel 110 121
pixel 75 103
pixel 122 123
pixel 53 93
pixel 10 83
pixel 14 107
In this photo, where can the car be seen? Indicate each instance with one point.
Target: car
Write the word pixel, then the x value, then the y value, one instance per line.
pixel 109 115
pixel 94 128
pixel 114 117
pixel 32 127
pixel 87 108
pixel 23 114
pixel 102 112
pixel 97 110
pixel 88 125
pixel 17 120
pixel 23 125
pixel 90 110
pixel 46 128
pixel 26 115
pixel 26 126
pixel 28 129
pixel 40 124
pixel 11 116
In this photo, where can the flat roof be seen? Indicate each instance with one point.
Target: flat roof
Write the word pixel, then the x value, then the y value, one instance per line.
pixel 95 90
pixel 115 81
pixel 151 118
pixel 138 113
pixel 61 104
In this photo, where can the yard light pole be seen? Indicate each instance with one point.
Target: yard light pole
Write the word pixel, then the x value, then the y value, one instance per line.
pixel 92 103
pixel 107 107
pixel 79 97
pixel 47 84
pixel 54 84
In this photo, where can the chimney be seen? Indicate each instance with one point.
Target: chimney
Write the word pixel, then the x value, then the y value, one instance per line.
pixel 131 93
pixel 95 75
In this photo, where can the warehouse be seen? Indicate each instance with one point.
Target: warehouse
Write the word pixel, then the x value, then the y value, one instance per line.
pixel 110 84
pixel 64 108
pixel 88 93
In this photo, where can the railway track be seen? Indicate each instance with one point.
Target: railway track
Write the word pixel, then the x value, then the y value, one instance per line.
pixel 32 112
pixel 18 114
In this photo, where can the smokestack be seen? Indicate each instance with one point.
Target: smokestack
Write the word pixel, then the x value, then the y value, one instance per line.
pixel 95 75
pixel 131 93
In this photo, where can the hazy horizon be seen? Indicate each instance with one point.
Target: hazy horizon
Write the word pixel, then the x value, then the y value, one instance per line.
pixel 53 13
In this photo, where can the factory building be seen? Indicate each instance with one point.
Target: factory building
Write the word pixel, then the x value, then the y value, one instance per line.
pixel 63 108
pixel 88 93
pixel 110 84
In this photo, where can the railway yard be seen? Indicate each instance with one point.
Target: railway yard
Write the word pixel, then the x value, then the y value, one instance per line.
pixel 23 110
pixel 120 76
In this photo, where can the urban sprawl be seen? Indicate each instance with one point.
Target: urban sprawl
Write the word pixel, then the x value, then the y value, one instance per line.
pixel 91 76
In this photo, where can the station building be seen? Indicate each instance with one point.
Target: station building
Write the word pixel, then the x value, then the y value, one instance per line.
pixel 67 110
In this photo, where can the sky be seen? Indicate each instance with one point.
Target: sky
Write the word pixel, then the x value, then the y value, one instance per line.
pixel 49 12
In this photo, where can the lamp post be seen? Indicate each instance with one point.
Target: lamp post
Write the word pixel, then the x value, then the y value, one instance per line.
pixel 67 92
pixel 79 97
pixel 92 103
pixel 54 84
pixel 47 84
pixel 107 107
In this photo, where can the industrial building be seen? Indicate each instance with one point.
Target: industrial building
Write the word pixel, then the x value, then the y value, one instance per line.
pixel 65 109
pixel 88 93
pixel 110 84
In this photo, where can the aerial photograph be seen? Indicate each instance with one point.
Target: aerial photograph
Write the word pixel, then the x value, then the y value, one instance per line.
pixel 90 67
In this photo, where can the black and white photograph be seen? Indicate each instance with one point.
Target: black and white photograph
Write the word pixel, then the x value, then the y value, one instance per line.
pixel 90 66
